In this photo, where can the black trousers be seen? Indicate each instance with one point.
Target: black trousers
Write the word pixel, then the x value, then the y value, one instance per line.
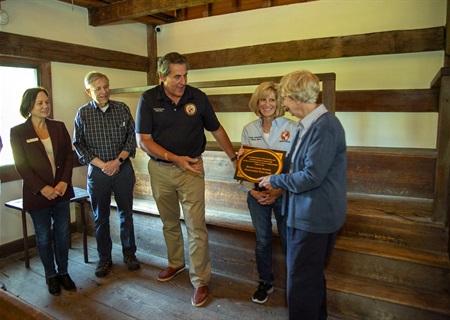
pixel 307 255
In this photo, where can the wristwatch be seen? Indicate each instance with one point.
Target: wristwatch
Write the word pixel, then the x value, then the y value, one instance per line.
pixel 233 159
pixel 121 160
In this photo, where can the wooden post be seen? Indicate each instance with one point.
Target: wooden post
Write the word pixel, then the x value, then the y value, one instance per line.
pixel 25 239
pixel 447 37
pixel 152 53
pixel 329 91
pixel 442 189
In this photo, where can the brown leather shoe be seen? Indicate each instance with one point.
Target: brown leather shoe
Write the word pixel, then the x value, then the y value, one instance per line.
pixel 168 273
pixel 200 296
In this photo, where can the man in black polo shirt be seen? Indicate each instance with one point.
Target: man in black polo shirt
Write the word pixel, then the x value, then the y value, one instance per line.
pixel 170 123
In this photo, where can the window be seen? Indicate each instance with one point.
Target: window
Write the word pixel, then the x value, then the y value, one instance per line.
pixel 17 75
pixel 13 82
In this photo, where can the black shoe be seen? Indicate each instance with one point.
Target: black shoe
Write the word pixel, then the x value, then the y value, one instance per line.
pixel 261 294
pixel 132 262
pixel 103 268
pixel 53 286
pixel 66 282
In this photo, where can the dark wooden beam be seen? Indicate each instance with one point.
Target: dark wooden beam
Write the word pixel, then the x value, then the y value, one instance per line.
pixel 405 100
pixel 153 19
pixel 409 41
pixel 447 37
pixel 389 42
pixel 188 13
pixel 223 83
pixel 131 9
pixel 441 208
pixel 230 102
pixel 328 81
pixel 39 48
pixel 412 100
pixel 152 52
pixel 85 3
pixel 230 6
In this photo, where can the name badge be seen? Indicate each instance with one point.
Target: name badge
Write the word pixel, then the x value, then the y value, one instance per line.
pixel 32 140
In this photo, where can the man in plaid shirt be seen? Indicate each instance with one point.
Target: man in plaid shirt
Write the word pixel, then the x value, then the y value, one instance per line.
pixel 104 139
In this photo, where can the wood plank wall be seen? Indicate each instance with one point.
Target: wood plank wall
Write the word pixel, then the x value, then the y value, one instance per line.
pixel 390 42
pixel 406 100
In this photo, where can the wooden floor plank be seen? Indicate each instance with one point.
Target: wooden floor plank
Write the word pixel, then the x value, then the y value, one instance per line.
pixel 385 250
pixel 430 301
pixel 125 294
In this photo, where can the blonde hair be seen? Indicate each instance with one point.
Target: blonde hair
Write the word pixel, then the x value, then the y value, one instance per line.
pixel 262 91
pixel 300 86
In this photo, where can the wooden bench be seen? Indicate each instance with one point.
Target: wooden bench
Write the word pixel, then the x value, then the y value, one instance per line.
pixel 12 307
pixel 81 197
pixel 395 243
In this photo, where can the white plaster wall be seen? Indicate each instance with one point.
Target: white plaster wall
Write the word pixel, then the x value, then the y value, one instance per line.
pixel 56 20
pixel 321 19
pixel 316 19
pixel 60 21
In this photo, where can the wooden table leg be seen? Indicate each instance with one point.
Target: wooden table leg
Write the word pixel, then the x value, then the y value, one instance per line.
pixel 70 233
pixel 83 229
pixel 25 239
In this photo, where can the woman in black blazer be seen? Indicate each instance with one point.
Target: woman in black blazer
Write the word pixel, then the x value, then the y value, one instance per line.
pixel 43 157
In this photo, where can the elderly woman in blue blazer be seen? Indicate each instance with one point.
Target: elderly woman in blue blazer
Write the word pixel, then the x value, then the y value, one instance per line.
pixel 43 157
pixel 314 198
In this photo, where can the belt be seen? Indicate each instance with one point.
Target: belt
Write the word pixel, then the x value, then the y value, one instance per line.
pixel 160 160
pixel 163 162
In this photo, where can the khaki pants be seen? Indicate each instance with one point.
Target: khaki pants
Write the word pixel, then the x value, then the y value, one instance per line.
pixel 171 187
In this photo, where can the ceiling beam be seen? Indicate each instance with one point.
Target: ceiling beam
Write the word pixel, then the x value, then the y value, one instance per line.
pixel 84 3
pixel 132 9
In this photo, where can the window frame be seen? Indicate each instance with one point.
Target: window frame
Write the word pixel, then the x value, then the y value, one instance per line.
pixel 8 172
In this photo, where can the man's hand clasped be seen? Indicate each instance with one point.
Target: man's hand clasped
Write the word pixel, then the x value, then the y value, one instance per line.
pixel 111 167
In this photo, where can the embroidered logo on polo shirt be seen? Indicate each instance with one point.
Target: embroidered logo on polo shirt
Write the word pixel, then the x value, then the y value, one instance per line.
pixel 158 109
pixel 190 109
pixel 285 135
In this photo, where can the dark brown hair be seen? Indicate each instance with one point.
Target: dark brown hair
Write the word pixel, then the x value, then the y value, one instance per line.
pixel 28 100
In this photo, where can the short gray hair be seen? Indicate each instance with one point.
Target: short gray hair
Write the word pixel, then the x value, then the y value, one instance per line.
pixel 164 62
pixel 92 77
pixel 300 86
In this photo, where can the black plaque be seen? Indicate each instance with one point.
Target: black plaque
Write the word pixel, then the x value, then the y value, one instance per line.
pixel 256 163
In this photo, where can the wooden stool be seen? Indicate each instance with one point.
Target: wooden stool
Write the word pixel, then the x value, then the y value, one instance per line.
pixel 81 196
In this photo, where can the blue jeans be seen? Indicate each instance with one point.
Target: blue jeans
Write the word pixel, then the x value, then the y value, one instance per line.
pixel 262 222
pixel 100 189
pixel 58 217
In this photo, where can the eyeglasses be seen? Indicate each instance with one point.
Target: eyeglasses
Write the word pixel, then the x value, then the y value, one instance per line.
pixel 105 87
